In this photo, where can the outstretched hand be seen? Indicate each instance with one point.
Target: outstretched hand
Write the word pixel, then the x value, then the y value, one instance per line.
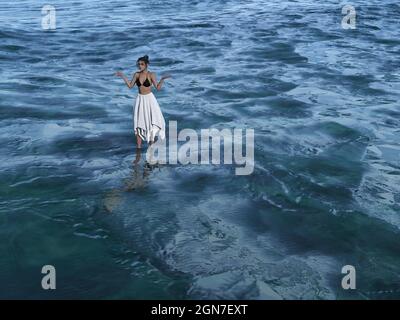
pixel 119 74
pixel 166 77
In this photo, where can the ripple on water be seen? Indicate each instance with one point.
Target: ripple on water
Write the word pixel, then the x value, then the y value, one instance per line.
pixel 322 101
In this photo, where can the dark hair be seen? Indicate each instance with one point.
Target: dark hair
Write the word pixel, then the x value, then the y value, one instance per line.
pixel 145 59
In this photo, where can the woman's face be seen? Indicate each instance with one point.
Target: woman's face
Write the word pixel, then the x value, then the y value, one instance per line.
pixel 141 65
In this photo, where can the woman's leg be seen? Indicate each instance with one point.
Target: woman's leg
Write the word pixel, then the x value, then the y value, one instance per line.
pixel 138 141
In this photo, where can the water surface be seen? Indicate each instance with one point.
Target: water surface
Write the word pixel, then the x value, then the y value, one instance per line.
pixel 325 192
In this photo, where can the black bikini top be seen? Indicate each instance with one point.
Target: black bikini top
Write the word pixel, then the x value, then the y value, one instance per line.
pixel 146 82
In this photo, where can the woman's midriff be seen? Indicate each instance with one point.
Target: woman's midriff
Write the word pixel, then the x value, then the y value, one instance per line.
pixel 145 91
pixel 145 94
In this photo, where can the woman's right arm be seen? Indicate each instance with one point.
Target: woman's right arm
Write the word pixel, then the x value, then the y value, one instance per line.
pixel 130 84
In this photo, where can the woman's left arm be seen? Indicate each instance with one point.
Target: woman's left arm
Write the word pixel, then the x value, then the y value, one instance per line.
pixel 159 84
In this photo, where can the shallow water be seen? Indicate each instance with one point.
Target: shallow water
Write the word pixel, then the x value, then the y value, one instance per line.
pixel 325 192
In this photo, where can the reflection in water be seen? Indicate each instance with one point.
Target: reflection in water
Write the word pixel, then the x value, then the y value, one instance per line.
pixel 325 192
pixel 136 180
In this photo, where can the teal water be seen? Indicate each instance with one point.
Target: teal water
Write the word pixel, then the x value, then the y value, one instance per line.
pixel 323 102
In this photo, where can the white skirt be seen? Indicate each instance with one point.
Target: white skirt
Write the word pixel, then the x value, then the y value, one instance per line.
pixel 148 120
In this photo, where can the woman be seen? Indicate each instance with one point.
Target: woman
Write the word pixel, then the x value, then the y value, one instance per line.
pixel 148 120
